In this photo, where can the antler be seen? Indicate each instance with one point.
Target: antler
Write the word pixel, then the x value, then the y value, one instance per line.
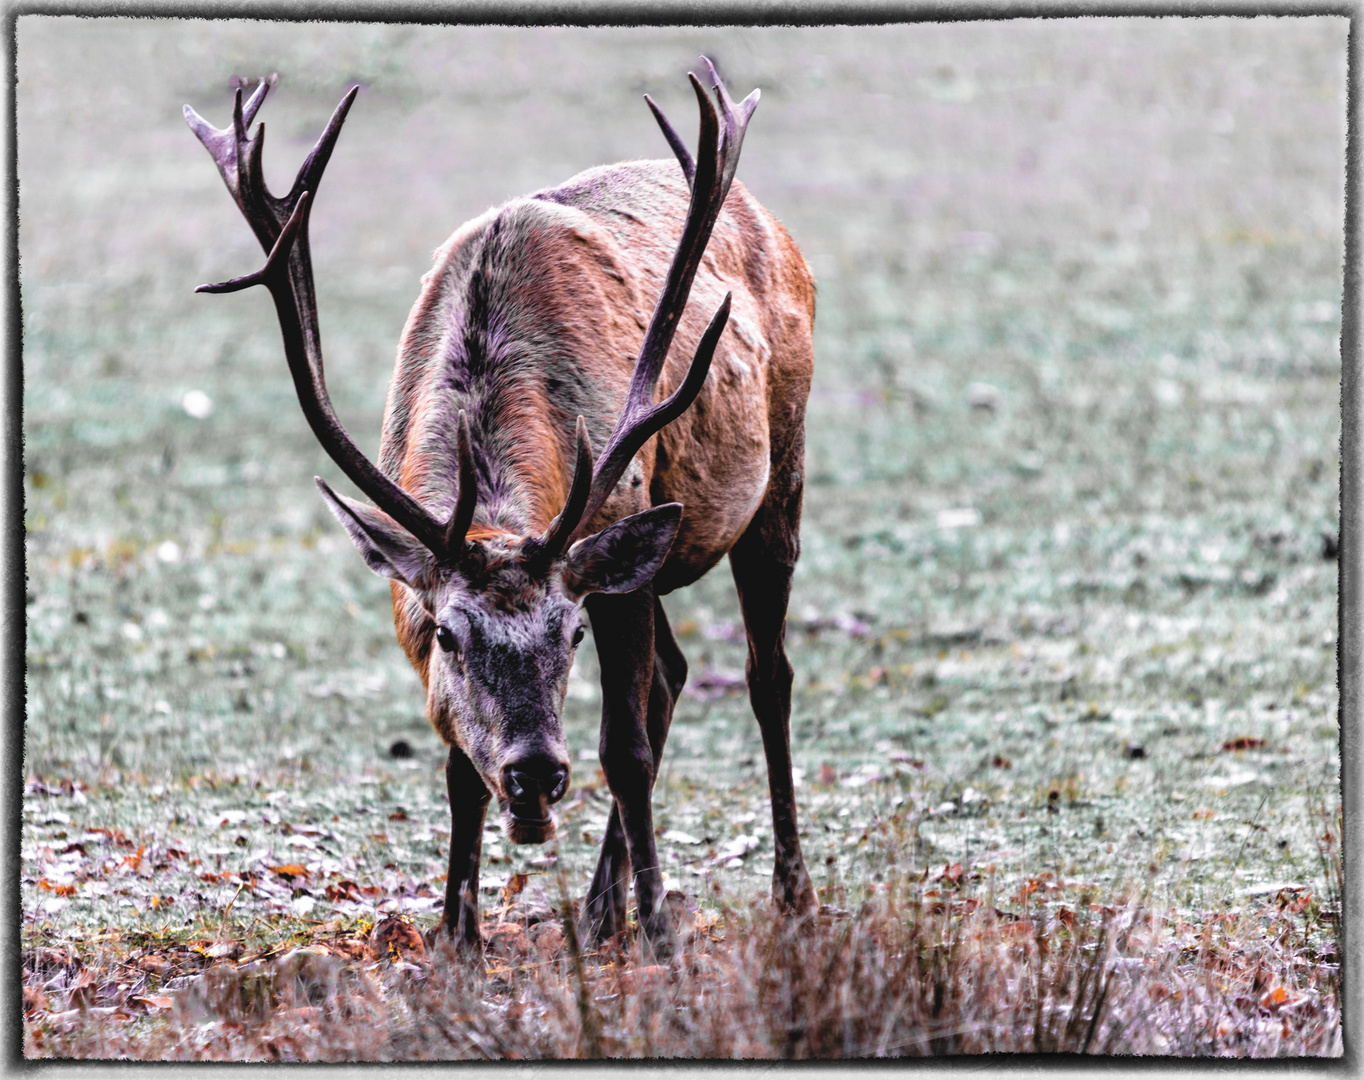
pixel 709 178
pixel 281 226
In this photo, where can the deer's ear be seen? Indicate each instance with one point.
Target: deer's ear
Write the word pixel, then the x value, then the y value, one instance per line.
pixel 625 554
pixel 389 549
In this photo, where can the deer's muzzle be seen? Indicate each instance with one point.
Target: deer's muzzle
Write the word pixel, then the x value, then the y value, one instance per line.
pixel 532 785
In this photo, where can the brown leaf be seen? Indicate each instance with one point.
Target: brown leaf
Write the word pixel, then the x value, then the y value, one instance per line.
pixel 152 1001
pixel 1243 742
pixel 348 948
pixel 114 836
pixel 394 938
pixel 514 885
pixel 290 870
pixel 342 890
pixel 1272 999
pixel 506 940
pixel 548 939
pixel 44 960
pixel 156 965
pixel 218 950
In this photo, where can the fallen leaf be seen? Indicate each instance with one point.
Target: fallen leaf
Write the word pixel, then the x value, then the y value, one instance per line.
pixel 394 938
pixel 342 890
pixel 548 939
pixel 289 870
pixel 217 950
pixel 1243 742
pixel 1272 999
pixel 514 885
pixel 506 940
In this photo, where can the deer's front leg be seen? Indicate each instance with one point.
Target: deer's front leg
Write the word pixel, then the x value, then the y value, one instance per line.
pixel 623 628
pixel 469 799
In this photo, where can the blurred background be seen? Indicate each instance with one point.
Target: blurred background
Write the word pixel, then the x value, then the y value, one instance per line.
pixel 1073 441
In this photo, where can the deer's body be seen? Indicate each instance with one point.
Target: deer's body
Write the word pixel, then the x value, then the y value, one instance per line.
pixel 569 278
pixel 547 326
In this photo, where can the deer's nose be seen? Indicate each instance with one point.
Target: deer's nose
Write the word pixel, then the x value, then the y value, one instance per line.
pixel 529 779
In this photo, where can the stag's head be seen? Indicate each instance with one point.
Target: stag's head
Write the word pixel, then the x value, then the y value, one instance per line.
pixel 493 623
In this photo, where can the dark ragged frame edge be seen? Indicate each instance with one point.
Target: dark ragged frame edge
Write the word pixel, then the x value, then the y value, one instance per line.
pixel 1350 614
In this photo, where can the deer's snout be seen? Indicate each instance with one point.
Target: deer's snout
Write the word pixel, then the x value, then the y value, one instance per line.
pixel 528 780
pixel 532 784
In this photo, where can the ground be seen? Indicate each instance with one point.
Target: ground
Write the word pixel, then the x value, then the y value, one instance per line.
pixel 1066 603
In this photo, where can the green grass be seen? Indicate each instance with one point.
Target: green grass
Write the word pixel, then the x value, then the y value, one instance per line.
pixel 1129 229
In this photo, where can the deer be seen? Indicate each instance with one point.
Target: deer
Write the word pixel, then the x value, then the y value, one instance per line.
pixel 546 327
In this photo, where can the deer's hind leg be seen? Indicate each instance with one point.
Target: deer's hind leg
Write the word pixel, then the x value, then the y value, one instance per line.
pixel 606 897
pixel 763 562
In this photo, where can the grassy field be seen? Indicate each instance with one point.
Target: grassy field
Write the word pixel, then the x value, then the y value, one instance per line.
pixel 1066 608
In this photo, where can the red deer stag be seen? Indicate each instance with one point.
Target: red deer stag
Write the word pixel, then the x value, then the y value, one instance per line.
pixel 536 336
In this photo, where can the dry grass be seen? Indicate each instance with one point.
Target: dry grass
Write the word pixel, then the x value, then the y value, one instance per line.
pixel 931 964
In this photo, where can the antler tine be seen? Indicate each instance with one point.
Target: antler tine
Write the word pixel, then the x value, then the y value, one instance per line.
pixel 463 514
pixel 555 538
pixel 287 273
pixel 238 159
pixel 709 176
pixel 684 157
pixel 221 143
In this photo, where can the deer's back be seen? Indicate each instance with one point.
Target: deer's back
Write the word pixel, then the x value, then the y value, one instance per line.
pixel 534 313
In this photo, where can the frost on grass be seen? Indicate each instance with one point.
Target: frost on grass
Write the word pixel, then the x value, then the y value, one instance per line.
pixel 1065 604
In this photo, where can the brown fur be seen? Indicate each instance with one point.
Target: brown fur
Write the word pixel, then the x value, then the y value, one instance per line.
pixel 580 269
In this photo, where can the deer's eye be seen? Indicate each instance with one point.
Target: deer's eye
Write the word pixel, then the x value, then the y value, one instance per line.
pixel 578 636
pixel 445 639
